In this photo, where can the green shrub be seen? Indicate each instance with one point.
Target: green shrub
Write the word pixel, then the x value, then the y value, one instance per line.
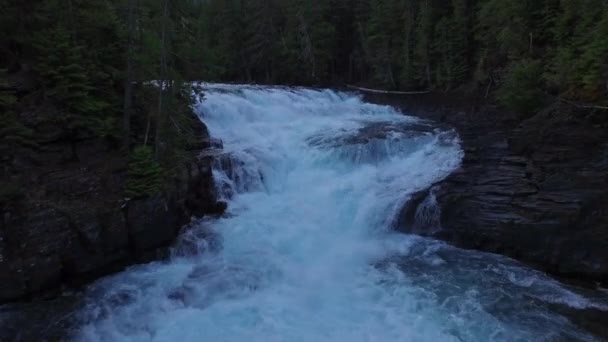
pixel 521 91
pixel 144 174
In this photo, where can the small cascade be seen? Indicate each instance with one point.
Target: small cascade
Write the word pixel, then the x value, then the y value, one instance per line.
pixel 421 214
pixel 428 214
pixel 196 239
pixel 236 173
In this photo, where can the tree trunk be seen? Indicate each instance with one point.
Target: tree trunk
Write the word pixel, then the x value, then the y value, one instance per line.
pixel 162 76
pixel 531 44
pixel 380 91
pixel 391 75
pixel 128 104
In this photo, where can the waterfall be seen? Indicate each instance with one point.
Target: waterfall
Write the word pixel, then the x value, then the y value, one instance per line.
pixel 305 252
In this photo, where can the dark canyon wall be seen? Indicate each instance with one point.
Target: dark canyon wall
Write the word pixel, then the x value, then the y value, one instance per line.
pixel 74 224
pixel 533 188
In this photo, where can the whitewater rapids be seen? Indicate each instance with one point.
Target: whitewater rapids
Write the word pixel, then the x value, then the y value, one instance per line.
pixel 314 180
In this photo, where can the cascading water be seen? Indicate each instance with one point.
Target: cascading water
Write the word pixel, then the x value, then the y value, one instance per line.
pixel 305 252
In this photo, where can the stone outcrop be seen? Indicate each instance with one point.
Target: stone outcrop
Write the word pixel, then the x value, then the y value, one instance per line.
pixel 535 188
pixel 74 225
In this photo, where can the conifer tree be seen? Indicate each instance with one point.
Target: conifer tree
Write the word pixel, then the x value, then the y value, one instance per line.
pixel 15 137
pixel 423 32
pixel 145 177
pixel 521 91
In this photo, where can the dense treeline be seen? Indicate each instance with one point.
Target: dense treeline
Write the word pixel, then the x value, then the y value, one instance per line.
pixel 560 45
pixel 76 70
pixel 83 67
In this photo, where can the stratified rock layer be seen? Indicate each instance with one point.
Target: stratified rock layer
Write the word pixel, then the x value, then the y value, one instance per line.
pixel 74 224
pixel 535 188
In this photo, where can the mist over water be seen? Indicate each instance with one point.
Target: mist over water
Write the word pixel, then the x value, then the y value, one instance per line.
pixel 314 180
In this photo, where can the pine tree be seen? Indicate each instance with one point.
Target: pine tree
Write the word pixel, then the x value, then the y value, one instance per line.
pixel 442 50
pixel 145 175
pixel 504 28
pixel 421 54
pixel 579 61
pixel 408 70
pixel 308 42
pixel 15 137
pixel 61 64
pixel 521 91
pixel 379 43
pixel 129 73
pixel 592 65
pixel 260 37
pixel 459 43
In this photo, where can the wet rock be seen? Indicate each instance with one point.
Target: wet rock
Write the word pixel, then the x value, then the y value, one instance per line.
pixel 382 131
pixel 373 132
pixel 218 208
pixel 406 222
pixel 75 226
pixel 196 240
pixel 181 294
pixel 42 274
pixel 49 320
pixel 421 214
pixel 593 320
pixel 13 283
pixel 152 222
pixel 534 190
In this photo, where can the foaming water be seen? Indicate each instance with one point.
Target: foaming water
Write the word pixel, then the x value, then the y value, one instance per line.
pixel 314 179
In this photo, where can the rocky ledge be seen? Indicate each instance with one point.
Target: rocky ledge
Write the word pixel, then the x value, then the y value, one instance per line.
pixel 74 224
pixel 532 188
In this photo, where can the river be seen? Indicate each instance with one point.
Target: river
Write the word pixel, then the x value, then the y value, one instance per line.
pixel 306 251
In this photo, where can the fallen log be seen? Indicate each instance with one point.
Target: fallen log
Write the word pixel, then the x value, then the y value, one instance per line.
pixel 583 105
pixel 377 91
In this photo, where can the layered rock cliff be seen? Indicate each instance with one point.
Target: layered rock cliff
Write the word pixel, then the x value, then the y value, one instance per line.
pixel 73 224
pixel 532 188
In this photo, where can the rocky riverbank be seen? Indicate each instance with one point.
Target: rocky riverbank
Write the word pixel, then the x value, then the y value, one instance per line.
pixel 533 188
pixel 73 223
